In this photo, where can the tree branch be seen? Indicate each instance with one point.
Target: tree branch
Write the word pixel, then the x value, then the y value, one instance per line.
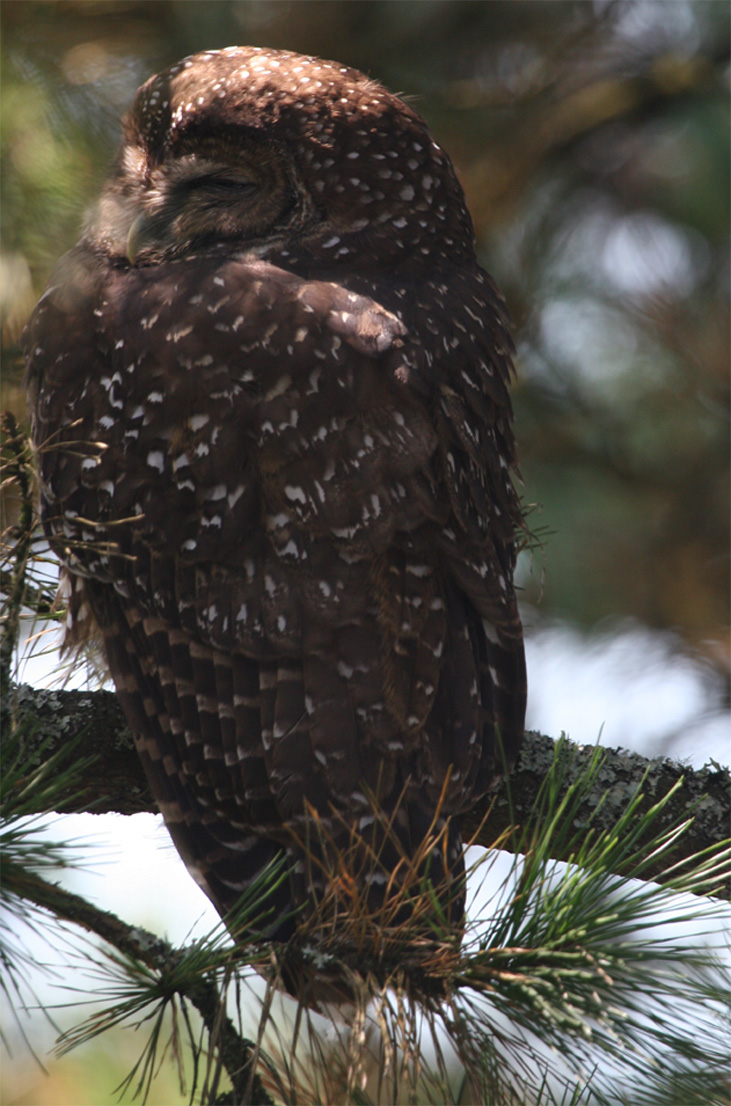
pixel 135 942
pixel 117 783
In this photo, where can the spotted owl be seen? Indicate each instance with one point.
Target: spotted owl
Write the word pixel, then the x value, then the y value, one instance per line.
pixel 269 398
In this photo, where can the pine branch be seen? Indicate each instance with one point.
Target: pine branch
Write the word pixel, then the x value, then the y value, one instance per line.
pixel 133 941
pixel 117 782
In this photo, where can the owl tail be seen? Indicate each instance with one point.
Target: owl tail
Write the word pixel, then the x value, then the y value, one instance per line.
pixel 373 888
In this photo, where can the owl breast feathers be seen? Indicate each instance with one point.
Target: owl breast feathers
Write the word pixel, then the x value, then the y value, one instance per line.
pixel 269 397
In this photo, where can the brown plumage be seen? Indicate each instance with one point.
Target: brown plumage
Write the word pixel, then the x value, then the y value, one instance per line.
pixel 269 397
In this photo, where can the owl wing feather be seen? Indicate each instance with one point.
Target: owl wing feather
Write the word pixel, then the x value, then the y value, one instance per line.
pixel 278 512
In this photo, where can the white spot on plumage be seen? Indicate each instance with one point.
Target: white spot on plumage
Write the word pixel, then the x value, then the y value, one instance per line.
pixel 490 632
pixel 281 386
pixel 295 494
pixel 178 333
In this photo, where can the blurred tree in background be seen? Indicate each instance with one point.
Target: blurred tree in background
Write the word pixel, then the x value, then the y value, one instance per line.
pixel 592 140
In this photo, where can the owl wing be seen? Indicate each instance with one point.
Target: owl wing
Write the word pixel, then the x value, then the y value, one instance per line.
pixel 274 515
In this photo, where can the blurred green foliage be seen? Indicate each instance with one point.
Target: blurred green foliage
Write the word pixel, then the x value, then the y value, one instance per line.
pixel 592 139
pixel 89 1078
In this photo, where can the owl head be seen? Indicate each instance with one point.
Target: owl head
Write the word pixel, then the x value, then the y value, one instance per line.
pixel 269 153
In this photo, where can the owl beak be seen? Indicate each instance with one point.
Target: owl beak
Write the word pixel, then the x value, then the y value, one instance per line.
pixel 139 235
